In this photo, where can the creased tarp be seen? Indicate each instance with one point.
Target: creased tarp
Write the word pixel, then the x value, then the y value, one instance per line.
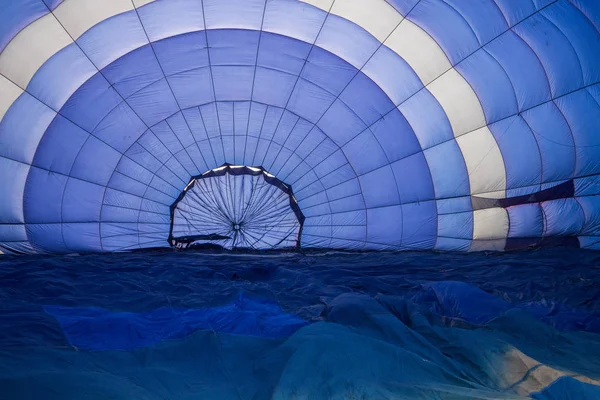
pixel 98 329
pixel 378 326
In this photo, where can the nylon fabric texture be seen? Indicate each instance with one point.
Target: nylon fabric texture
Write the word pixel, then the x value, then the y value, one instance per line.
pixel 397 124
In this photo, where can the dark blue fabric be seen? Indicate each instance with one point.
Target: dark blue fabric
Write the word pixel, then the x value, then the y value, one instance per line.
pixel 568 388
pixel 98 329
pixel 467 303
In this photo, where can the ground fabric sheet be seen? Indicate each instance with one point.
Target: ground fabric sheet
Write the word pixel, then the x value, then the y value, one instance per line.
pixel 184 326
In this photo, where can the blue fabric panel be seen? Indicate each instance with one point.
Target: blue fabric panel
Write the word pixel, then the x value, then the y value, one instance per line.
pixel 554 51
pixel 52 4
pixel 351 203
pixel 491 84
pixel 154 103
pixel 60 76
pixel 587 186
pixel 82 201
pixel 100 330
pixel 419 225
pixel 340 123
pixel 454 205
pixel 195 122
pixel 95 162
pixel 448 170
pixel 582 113
pixel 192 88
pixel 158 17
pixel 115 237
pixel 282 53
pixel 134 170
pixel 22 127
pixel 384 225
pixel 365 153
pixel 563 217
pixel 379 188
pixel 312 109
pixel 582 35
pixel 16 15
pixel 241 113
pixel 167 138
pixel 347 40
pixel 427 118
pixel 555 141
pixel 413 179
pixel 516 11
pixel 120 128
pixel 182 53
pixel 117 35
pixel 591 209
pixel 341 191
pixel 285 126
pixel 225 110
pixel 395 136
pixel 447 27
pixel 393 75
pixel 451 244
pixel 458 225
pixel 181 129
pixel 120 216
pixel 233 83
pixel 47 237
pixel 483 16
pixel 149 152
pixel 319 152
pixel 43 185
pixel 133 71
pixel 331 158
pixel 125 183
pixel 327 71
pixel 232 47
pixel 523 67
pixel 91 102
pixel 82 236
pixel 526 221
pixel 270 122
pixel 520 152
pixel 133 180
pixel 235 13
pixel 272 87
pixel 14 176
pixel 60 145
pixel 368 111
pixel 590 9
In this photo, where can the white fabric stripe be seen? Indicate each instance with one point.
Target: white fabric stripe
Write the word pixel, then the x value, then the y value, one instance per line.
pixel 322 4
pixel 490 224
pixel 419 50
pixel 31 48
pixel 485 165
pixel 375 16
pixel 139 3
pixel 459 101
pixel 9 92
pixel 77 16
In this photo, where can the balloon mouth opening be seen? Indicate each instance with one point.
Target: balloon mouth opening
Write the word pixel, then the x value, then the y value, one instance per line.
pixel 236 207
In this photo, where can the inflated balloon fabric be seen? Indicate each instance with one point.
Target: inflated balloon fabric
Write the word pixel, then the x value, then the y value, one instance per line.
pixel 399 124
